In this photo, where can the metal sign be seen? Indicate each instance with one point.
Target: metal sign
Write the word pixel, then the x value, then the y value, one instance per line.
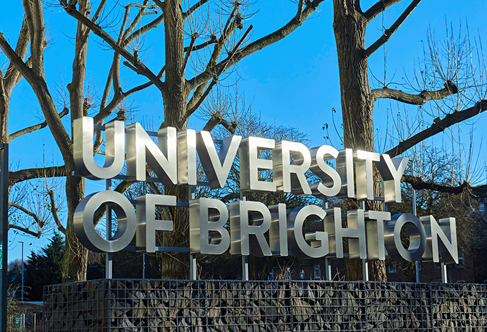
pixel 372 235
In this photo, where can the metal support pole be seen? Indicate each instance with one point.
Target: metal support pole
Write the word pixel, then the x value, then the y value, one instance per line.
pixel 245 268
pixel 108 255
pixel 3 234
pixel 365 263
pixel 192 258
pixel 328 269
pixel 327 260
pixel 143 265
pixel 245 259
pixel 192 267
pixel 365 269
pixel 444 275
pixel 416 264
pixel 22 292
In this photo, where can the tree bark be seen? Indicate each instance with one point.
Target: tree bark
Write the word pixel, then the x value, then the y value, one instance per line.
pixel 357 102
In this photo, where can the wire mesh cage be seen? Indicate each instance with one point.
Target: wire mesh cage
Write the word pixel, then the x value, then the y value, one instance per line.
pixel 224 305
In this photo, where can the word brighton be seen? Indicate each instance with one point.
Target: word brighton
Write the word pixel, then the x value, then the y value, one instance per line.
pixel 372 235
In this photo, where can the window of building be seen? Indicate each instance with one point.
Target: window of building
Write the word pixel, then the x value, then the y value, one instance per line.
pixel 392 268
pixel 461 262
pixel 317 272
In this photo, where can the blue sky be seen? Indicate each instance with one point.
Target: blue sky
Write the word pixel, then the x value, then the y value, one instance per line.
pixel 291 83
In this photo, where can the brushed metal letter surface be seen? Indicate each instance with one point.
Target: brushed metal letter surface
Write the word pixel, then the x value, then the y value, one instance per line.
pixel 391 172
pixel 331 182
pixel 374 223
pixel 365 176
pixel 345 170
pixel 141 148
pixel 446 249
pixel 147 224
pixel 85 229
pixel 250 164
pixel 417 238
pixel 249 238
pixel 187 157
pixel 291 177
pixel 278 230
pixel 207 219
pixel 217 165
pixel 312 244
pixel 83 149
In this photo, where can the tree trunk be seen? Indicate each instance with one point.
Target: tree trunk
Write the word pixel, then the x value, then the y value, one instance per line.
pixel 356 98
pixel 75 254
pixel 175 265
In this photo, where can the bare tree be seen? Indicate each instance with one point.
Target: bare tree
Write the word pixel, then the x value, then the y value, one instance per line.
pixel 357 97
pixel 201 45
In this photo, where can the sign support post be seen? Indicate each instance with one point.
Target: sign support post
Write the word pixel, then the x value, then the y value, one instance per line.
pixel 108 255
pixel 3 233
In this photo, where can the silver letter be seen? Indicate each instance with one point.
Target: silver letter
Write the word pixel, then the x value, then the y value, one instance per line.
pixel 85 230
pixel 333 217
pixel 187 157
pixel 251 164
pixel 278 230
pixel 365 175
pixel 345 170
pixel 240 230
pixel 355 234
pixel 445 250
pixel 217 166
pixel 207 219
pixel 318 246
pixel 374 222
pixel 83 149
pixel 391 172
pixel 147 224
pixel 417 238
pixel 291 178
pixel 331 180
pixel 140 147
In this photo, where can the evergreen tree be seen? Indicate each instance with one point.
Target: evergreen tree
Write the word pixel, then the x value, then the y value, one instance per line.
pixel 43 269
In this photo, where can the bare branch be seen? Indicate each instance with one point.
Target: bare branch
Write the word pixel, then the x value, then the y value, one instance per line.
pixel 438 127
pixel 25 230
pixel 12 77
pixel 29 213
pixel 35 127
pixel 142 69
pixel 419 184
pixel 259 44
pixel 194 7
pixel 419 99
pixel 99 11
pixel 379 8
pixel 142 30
pixel 217 119
pixel 212 40
pixel 36 173
pixel 188 53
pixel 60 226
pixel 36 79
pixel 217 75
pixel 389 32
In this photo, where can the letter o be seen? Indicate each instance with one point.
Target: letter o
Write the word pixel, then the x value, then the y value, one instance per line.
pixel 417 238
pixel 84 227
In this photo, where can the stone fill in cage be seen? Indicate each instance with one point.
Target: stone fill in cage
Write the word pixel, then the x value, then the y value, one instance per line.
pixel 182 305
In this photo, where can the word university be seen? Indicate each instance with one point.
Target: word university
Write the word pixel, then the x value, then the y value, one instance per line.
pixel 254 228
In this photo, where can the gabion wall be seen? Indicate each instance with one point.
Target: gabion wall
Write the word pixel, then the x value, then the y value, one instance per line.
pixel 177 305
